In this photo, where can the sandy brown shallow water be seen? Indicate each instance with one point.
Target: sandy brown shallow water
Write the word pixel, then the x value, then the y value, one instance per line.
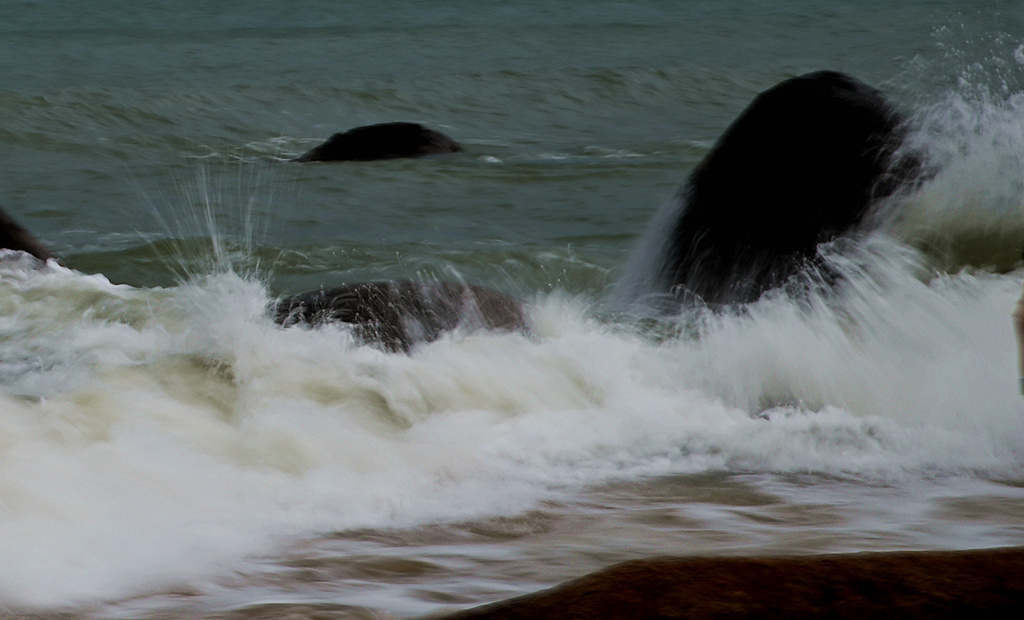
pixel 985 583
pixel 647 549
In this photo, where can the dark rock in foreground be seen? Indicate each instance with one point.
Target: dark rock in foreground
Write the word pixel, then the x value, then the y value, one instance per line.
pixel 985 583
pixel 397 315
pixel 383 141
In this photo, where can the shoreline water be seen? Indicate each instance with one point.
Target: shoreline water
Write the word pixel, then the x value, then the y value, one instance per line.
pixel 167 451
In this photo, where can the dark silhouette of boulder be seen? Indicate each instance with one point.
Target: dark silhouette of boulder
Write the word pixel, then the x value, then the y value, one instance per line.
pixel 383 141
pixel 13 236
pixel 399 314
pixel 987 583
pixel 803 164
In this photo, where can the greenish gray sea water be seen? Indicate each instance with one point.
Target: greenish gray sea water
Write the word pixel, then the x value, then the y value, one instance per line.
pixel 166 451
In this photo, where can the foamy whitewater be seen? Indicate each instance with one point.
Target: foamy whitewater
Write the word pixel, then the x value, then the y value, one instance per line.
pixel 167 450
pixel 153 437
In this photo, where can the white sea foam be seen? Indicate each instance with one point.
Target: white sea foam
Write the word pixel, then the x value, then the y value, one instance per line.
pixel 163 434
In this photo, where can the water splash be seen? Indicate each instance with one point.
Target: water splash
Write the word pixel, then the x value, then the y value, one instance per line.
pixel 216 223
pixel 968 124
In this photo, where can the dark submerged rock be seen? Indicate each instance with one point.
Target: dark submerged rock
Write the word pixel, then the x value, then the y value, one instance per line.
pixel 383 141
pixel 397 315
pixel 987 583
pixel 14 236
pixel 803 164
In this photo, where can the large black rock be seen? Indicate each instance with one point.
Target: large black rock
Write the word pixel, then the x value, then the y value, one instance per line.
pixel 803 164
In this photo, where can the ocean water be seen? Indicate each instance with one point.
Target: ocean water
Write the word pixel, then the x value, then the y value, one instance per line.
pixel 167 451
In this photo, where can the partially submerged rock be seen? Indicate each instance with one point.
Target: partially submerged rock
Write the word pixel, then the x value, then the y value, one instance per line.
pixel 400 314
pixel 383 141
pixel 14 236
pixel 803 164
